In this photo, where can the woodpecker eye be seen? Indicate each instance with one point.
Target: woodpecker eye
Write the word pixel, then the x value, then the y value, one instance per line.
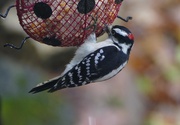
pixel 113 32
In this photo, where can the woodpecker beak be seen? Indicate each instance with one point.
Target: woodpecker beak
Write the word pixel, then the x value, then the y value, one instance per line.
pixel 107 29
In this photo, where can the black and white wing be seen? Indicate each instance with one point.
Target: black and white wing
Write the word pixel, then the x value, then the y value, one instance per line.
pixel 100 65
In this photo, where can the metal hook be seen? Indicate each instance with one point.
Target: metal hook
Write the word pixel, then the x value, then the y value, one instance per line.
pixel 7 11
pixel 127 18
pixel 15 47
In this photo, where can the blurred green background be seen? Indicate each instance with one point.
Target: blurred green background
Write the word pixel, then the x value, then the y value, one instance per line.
pixel 146 92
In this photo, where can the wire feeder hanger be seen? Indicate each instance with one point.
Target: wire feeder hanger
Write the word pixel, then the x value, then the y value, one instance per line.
pixel 83 7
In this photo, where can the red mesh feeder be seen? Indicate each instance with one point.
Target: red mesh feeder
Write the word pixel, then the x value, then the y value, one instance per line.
pixel 65 22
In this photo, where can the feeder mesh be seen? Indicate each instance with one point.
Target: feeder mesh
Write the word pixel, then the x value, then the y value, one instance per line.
pixel 66 26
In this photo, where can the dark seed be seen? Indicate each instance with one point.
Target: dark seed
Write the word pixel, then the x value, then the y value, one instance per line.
pixel 118 1
pixel 85 6
pixel 51 41
pixel 42 10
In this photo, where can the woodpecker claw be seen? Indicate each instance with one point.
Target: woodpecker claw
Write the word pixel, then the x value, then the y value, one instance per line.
pixel 94 25
pixel 15 47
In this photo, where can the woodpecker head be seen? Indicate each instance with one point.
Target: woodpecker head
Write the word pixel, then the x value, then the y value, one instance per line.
pixel 121 36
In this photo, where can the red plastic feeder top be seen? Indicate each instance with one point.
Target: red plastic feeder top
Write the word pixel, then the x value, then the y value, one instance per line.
pixel 65 22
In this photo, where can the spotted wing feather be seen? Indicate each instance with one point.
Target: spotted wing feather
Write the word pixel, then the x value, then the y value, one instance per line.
pixel 93 67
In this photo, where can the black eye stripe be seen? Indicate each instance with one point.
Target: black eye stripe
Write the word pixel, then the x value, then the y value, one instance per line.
pixel 113 32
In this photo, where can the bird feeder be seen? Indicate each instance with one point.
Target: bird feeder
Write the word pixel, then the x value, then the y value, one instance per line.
pixel 65 22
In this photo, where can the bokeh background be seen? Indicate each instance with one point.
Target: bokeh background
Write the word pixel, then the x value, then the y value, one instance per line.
pixel 146 92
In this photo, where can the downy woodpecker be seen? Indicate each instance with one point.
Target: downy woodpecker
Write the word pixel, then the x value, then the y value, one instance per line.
pixel 94 61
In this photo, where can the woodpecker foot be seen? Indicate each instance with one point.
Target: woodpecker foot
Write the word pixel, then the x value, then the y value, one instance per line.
pixel 94 25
